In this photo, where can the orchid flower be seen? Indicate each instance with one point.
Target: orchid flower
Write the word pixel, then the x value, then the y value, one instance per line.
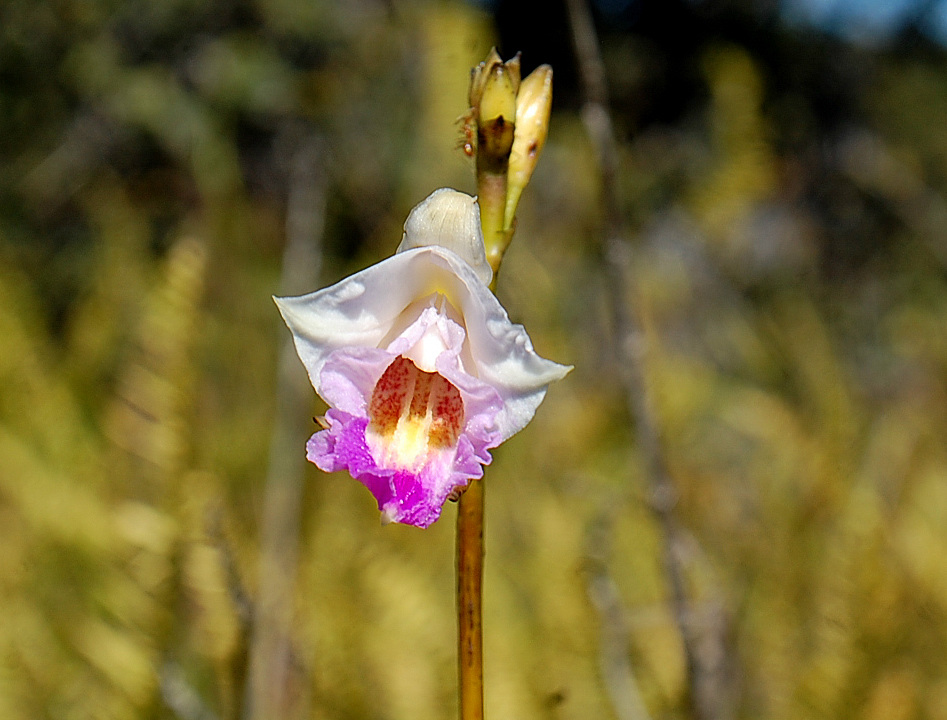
pixel 421 368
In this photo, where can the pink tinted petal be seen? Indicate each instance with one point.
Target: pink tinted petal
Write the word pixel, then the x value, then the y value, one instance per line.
pixel 482 402
pixel 469 462
pixel 349 375
pixel 430 335
pixel 404 496
pixel 416 501
pixel 343 447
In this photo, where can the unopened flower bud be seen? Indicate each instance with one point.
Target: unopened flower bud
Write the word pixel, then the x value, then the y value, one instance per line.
pixel 496 113
pixel 533 104
pixel 492 135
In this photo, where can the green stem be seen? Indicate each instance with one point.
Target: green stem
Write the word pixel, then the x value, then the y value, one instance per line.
pixel 491 195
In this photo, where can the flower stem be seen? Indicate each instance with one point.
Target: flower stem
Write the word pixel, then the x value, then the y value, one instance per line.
pixel 470 550
pixel 470 600
pixel 493 103
pixel 491 192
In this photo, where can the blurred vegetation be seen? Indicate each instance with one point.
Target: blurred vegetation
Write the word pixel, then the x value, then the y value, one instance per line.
pixel 787 193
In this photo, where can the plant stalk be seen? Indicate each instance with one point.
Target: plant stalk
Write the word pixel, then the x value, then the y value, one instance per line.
pixel 491 194
pixel 470 511
pixel 470 600
pixel 495 135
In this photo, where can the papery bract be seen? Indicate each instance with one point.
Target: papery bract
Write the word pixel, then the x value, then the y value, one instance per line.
pixel 420 365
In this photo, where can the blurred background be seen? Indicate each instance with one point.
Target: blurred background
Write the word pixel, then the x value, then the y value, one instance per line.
pixel 780 171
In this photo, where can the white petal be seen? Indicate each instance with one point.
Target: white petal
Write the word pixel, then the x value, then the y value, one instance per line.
pixel 439 334
pixel 363 310
pixel 506 360
pixel 450 219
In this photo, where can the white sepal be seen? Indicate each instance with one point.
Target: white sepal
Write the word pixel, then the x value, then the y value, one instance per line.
pixel 450 219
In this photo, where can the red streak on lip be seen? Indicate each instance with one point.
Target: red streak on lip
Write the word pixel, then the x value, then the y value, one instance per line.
pixel 407 393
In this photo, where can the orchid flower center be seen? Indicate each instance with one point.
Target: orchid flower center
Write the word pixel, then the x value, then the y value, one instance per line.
pixel 411 413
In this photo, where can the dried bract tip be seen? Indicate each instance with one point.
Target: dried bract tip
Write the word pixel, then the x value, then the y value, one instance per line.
pixel 478 76
pixel 513 68
pixel 492 64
